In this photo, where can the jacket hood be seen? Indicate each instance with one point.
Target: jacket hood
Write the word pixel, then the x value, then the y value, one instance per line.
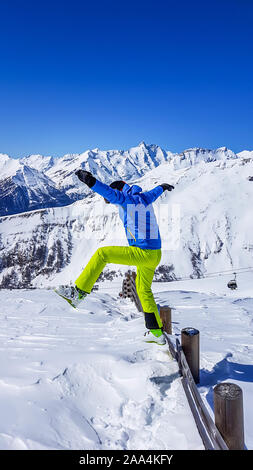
pixel 131 190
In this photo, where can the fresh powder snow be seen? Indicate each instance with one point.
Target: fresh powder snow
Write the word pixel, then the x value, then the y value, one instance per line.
pixel 85 379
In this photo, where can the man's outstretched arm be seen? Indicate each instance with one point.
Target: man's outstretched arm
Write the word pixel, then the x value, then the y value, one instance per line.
pixel 112 195
pixel 153 194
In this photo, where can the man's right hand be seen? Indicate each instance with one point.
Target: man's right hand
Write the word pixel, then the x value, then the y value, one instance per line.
pixel 167 187
pixel 86 177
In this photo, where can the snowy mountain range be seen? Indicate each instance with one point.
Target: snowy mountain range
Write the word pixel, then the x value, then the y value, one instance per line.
pixel 209 215
pixel 37 182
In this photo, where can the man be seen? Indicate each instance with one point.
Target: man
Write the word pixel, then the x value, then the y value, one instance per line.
pixel 144 250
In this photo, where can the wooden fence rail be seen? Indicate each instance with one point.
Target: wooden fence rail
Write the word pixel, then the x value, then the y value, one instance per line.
pixel 209 433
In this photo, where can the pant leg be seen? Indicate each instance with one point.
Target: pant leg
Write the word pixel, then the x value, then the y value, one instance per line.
pixel 131 256
pixel 146 262
pixel 144 280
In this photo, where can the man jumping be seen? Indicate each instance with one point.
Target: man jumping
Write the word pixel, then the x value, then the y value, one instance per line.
pixel 144 250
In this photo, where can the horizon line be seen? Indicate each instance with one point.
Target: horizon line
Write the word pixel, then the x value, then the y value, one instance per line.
pixel 97 149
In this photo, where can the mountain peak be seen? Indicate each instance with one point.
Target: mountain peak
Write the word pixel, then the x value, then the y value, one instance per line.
pixel 223 149
pixel 142 144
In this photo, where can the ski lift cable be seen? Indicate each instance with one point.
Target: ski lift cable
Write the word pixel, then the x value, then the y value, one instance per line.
pixel 210 275
pixel 219 273
pixel 232 270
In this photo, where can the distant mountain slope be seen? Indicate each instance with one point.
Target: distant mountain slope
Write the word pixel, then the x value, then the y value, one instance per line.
pixel 27 189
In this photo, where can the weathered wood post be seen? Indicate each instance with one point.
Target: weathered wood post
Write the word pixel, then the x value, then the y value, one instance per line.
pixel 124 289
pixel 136 298
pixel 228 410
pixel 165 314
pixel 128 284
pixel 190 346
pixel 129 289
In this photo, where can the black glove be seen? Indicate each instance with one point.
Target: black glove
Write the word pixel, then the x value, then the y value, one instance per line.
pixel 167 187
pixel 86 177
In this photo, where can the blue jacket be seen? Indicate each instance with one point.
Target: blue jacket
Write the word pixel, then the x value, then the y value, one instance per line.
pixel 136 212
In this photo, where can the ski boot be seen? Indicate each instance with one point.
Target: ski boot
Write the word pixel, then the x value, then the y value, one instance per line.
pixel 73 295
pixel 158 338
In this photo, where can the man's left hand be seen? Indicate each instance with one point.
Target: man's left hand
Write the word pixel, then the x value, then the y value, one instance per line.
pixel 86 177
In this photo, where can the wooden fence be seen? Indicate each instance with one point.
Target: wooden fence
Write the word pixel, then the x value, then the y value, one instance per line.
pixel 230 423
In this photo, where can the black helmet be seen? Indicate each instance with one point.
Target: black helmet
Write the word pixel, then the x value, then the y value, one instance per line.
pixel 117 185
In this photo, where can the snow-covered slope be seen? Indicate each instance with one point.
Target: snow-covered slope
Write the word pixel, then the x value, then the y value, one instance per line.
pixel 8 166
pixel 198 155
pixel 27 189
pixel 246 154
pixel 39 162
pixel 205 225
pixel 86 380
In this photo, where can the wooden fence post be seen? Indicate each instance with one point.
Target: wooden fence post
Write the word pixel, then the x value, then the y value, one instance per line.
pixel 165 314
pixel 129 289
pixel 228 410
pixel 190 346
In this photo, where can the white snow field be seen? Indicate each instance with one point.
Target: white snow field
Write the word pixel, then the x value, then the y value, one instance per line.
pixel 85 379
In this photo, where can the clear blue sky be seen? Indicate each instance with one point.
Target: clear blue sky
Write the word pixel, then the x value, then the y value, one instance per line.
pixel 109 74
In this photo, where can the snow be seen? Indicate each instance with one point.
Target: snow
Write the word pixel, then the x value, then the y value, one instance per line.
pixel 85 379
pixel 224 319
pixel 8 166
pixel 38 162
pixel 246 154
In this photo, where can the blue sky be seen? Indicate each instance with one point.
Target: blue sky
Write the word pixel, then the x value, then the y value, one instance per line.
pixel 109 74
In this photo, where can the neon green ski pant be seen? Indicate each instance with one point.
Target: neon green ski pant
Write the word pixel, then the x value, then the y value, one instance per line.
pixel 145 261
